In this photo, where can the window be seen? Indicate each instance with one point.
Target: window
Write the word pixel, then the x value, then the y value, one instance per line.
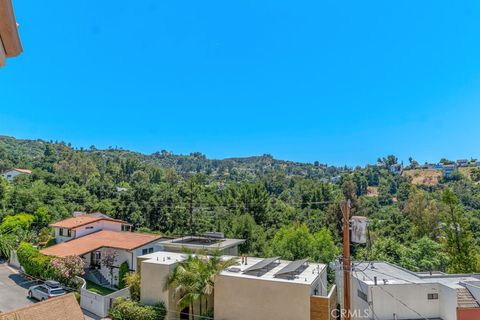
pixel 125 227
pixel 60 232
pixel 432 296
pixel 362 295
pixel 89 227
pixel 148 250
pixel 69 233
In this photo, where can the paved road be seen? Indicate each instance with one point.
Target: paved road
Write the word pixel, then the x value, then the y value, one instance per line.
pixel 13 289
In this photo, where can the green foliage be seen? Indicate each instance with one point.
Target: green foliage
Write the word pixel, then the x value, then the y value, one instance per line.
pixel 125 309
pixel 16 223
pixel 132 281
pixel 122 272
pixel 250 198
pixel 33 262
pixel 295 242
pixel 7 244
pixel 194 279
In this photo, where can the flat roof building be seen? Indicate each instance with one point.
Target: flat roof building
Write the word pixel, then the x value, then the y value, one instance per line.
pixel 255 288
pixel 383 291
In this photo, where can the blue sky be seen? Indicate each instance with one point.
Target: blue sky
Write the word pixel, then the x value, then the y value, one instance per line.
pixel 342 82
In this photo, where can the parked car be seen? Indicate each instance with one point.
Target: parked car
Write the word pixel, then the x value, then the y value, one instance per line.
pixel 49 289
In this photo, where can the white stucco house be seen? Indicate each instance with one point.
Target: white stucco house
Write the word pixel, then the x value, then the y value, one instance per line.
pixel 92 237
pixel 13 173
pixel 383 291
pixel 254 289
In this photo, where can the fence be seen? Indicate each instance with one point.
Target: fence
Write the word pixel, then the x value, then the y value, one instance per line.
pixel 98 304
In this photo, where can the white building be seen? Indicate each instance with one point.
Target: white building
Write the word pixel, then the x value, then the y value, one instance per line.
pixel 255 289
pixel 383 291
pixel 13 173
pixel 94 237
pixel 82 224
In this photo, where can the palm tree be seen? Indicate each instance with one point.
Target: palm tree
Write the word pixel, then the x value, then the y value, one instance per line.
pixel 214 264
pixel 185 281
pixel 194 278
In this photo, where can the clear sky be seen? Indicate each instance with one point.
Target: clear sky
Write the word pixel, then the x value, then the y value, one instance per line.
pixel 342 82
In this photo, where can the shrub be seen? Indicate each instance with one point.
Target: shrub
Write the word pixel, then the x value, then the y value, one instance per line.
pixel 33 262
pixel 132 281
pixel 122 272
pixel 66 270
pixel 125 309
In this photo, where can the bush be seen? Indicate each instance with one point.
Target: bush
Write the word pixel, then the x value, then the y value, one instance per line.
pixel 132 281
pixel 33 262
pixel 125 309
pixel 122 272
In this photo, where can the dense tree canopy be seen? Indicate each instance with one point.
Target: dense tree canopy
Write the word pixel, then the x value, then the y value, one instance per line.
pixel 278 207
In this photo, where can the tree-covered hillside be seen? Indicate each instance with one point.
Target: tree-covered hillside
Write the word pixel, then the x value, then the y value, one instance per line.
pixel 279 207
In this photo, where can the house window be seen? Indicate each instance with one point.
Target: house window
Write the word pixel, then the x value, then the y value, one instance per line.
pixel 125 227
pixel 69 233
pixel 148 250
pixel 432 296
pixel 362 295
pixel 89 227
pixel 60 232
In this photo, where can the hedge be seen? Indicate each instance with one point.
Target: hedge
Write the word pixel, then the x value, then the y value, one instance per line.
pixel 126 309
pixel 33 262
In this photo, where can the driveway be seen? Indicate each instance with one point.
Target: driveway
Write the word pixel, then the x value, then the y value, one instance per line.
pixel 13 289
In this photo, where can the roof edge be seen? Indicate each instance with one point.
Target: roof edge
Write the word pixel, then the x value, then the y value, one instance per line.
pixel 9 30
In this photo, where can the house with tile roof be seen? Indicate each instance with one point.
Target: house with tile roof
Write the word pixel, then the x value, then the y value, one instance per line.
pixel 94 237
pixel 83 224
pixel 60 308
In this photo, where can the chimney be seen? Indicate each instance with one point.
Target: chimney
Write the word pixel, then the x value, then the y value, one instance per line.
pixel 375 280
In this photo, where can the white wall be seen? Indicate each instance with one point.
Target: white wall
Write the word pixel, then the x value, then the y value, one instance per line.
pixel 96 226
pixel 10 175
pixel 448 303
pixel 98 304
pixel 59 238
pixel 412 295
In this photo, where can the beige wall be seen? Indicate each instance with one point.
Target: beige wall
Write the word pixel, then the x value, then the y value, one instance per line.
pixel 239 298
pixel 153 279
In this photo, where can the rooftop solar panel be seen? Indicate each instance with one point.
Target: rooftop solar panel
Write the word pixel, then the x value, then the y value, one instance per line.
pixel 291 267
pixel 262 264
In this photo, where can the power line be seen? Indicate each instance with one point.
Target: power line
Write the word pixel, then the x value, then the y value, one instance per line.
pixel 397 299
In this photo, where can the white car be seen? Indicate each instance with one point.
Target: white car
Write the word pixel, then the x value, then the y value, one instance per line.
pixel 50 289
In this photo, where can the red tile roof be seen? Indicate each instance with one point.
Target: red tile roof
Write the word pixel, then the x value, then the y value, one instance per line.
pixel 104 238
pixel 75 222
pixel 23 170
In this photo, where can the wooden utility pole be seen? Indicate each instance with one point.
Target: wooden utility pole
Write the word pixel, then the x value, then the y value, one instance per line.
pixel 345 207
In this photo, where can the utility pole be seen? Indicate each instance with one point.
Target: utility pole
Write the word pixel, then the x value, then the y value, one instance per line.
pixel 345 207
